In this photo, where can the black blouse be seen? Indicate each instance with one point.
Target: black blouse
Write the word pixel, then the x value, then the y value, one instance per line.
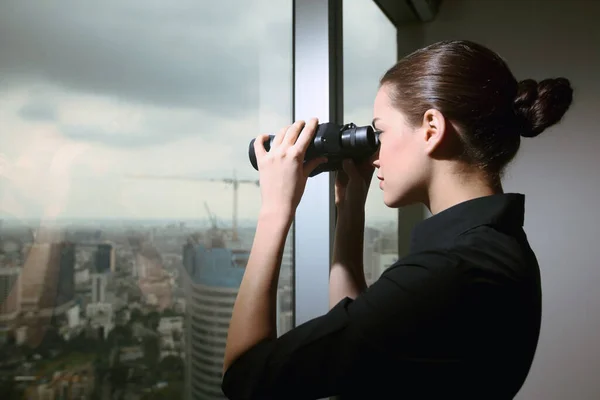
pixel 458 318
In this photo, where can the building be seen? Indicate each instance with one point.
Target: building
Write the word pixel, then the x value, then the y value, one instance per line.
pixel 65 286
pixel 47 288
pixel 99 283
pixel 285 306
pixel 9 299
pixel 214 276
pixel 153 279
pixel 105 258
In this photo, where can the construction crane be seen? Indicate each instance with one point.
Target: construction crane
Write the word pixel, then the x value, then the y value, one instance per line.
pixel 211 216
pixel 216 235
pixel 234 181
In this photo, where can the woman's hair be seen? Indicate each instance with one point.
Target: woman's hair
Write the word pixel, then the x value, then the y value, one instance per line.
pixel 475 90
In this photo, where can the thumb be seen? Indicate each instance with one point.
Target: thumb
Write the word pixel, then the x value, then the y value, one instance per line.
pixel 312 164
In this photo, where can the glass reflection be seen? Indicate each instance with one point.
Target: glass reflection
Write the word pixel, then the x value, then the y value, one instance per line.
pixel 369 50
pixel 127 201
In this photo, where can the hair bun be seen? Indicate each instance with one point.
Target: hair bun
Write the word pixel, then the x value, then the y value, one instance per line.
pixel 541 105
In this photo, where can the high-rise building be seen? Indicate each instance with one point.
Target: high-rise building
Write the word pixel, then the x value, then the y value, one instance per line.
pixel 285 307
pixel 11 263
pixel 9 299
pixel 105 258
pixel 99 282
pixel 47 287
pixel 214 276
pixel 48 277
pixel 65 290
pixel 285 310
pixel 153 279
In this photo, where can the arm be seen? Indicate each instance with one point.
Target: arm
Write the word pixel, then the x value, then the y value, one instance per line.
pixel 346 349
pixel 346 275
pixel 254 312
pixel 283 176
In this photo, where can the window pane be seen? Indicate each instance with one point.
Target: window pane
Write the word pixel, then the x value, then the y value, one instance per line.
pixel 127 199
pixel 369 50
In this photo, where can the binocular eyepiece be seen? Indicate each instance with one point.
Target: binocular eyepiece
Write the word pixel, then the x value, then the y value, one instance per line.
pixel 336 142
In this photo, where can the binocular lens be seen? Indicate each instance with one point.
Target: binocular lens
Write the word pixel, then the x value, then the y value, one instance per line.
pixel 335 142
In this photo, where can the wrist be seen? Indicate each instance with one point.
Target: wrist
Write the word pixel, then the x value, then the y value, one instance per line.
pixel 276 216
pixel 350 216
pixel 349 232
pixel 353 205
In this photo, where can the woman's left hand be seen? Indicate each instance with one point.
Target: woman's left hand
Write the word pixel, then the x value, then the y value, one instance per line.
pixel 282 170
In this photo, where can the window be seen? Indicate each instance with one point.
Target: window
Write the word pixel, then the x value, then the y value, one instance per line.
pixel 127 199
pixel 369 50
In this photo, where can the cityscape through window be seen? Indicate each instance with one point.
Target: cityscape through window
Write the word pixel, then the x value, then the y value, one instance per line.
pixel 127 200
pixel 128 204
pixel 369 50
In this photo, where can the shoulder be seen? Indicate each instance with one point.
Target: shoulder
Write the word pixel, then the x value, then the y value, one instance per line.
pixel 471 266
pixel 482 251
pixel 430 260
pixel 501 255
pixel 420 285
pixel 426 270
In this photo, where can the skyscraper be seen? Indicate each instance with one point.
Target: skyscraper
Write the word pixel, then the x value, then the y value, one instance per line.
pixel 105 258
pixel 9 299
pixel 47 287
pixel 214 276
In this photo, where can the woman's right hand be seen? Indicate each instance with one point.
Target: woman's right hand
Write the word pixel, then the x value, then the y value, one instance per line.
pixel 346 276
pixel 352 185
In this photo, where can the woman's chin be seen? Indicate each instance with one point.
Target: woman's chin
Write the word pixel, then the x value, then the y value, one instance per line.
pixel 397 200
pixel 391 202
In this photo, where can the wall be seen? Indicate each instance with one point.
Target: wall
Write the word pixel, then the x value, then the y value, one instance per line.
pixel 557 171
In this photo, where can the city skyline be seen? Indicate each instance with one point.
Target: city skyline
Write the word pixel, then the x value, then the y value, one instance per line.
pixel 124 128
pixel 84 306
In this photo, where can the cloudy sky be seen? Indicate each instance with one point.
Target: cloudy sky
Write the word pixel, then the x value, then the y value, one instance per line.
pixel 93 93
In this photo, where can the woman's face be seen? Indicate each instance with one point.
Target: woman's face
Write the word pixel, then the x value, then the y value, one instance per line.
pixel 402 162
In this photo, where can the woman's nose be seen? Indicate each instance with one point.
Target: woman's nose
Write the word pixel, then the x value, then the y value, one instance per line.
pixel 375 159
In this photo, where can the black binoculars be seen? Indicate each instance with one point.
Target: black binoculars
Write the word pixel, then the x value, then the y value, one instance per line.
pixel 336 142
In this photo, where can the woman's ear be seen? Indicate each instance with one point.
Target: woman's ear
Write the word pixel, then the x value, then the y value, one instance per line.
pixel 434 127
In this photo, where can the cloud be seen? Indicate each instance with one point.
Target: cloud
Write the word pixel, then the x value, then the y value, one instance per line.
pixel 370 49
pixel 106 64
pixel 120 139
pixel 154 88
pixel 38 111
pixel 193 54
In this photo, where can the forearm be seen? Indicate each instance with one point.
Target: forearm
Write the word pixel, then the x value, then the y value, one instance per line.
pixel 254 312
pixel 346 276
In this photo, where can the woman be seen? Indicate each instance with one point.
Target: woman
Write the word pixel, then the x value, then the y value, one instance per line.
pixel 459 317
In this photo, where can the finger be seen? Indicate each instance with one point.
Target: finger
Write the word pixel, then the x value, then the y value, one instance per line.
pixel 312 164
pixel 340 195
pixel 279 136
pixel 293 131
pixel 365 168
pixel 259 145
pixel 367 173
pixel 341 178
pixel 350 169
pixel 307 135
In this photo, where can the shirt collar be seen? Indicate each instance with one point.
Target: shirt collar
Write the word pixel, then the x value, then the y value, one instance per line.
pixel 440 230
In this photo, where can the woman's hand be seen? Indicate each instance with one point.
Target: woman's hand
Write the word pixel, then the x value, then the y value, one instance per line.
pixel 282 170
pixel 283 175
pixel 352 185
pixel 346 275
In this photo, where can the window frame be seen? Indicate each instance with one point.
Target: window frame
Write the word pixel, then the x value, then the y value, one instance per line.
pixel 318 92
